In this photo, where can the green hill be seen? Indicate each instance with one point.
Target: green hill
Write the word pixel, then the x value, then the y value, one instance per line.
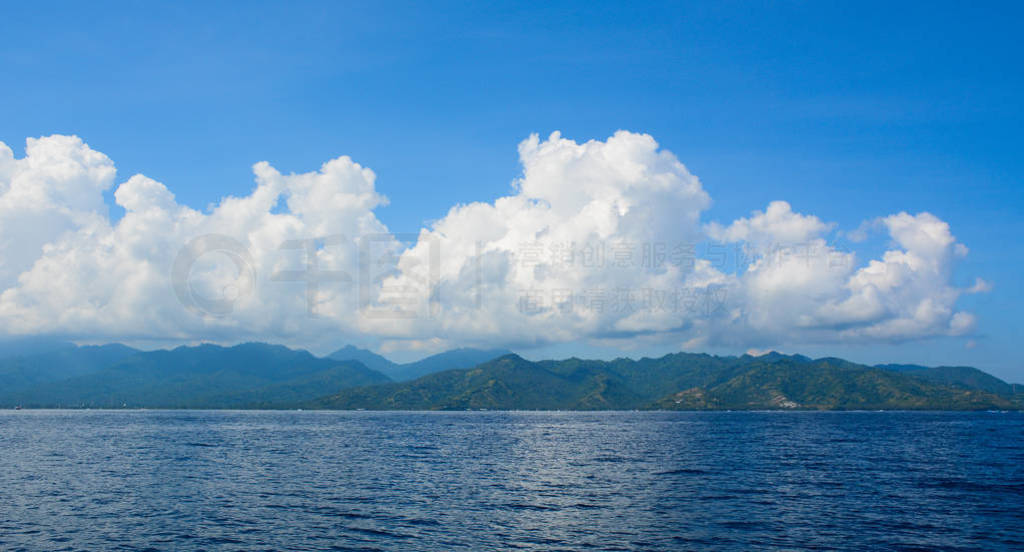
pixel 960 376
pixel 677 382
pixel 826 384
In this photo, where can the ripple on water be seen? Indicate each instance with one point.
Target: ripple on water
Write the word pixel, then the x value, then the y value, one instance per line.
pixel 161 480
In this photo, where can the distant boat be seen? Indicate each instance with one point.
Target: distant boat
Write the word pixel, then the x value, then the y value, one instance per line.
pixel 17 407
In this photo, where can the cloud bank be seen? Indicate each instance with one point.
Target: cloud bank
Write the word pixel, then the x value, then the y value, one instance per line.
pixel 600 241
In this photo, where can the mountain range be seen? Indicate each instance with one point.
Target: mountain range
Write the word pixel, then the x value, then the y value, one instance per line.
pixel 251 375
pixel 258 375
pixel 685 381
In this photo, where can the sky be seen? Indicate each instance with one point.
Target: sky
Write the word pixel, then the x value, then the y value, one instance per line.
pixel 829 179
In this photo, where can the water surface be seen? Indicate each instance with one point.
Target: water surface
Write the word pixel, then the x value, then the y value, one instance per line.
pixel 201 480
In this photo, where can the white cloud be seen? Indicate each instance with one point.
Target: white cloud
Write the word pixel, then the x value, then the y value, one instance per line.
pixel 560 259
pixel 57 187
pixel 776 225
pixel 595 242
pixel 96 280
pixel 980 286
pixel 816 293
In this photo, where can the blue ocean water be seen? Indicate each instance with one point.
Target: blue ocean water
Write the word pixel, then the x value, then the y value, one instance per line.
pixel 221 480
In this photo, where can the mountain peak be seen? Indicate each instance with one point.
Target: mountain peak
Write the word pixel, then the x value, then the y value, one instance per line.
pixel 454 359
pixel 369 358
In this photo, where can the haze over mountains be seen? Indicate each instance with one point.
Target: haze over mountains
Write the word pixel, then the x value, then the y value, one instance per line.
pixel 251 375
pixel 455 359
pixel 42 374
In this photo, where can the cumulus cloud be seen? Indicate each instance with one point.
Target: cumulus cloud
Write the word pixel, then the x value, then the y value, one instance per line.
pixel 574 253
pixel 596 241
pixel 94 279
pixel 811 291
pixel 57 187
pixel 777 224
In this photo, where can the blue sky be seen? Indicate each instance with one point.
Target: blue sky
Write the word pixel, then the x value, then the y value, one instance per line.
pixel 846 111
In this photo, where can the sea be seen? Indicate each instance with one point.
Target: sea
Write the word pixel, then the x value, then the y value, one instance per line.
pixel 475 481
